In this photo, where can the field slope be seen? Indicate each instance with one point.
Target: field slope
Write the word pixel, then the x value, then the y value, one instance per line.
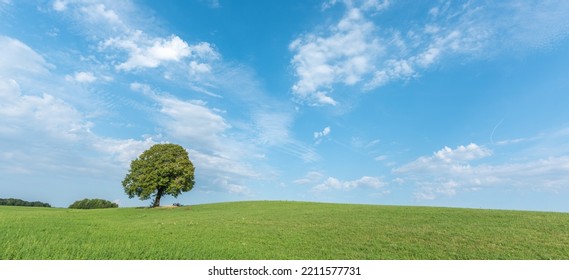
pixel 282 230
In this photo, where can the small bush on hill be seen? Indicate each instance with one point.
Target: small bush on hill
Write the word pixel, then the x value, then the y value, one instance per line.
pixel 19 202
pixel 93 204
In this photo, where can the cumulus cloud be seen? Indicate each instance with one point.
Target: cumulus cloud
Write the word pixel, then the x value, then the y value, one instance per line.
pixel 150 52
pixel 346 55
pixel 112 25
pixel 147 52
pixel 462 153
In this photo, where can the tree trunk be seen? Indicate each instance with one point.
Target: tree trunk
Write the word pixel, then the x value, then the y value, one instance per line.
pixel 157 198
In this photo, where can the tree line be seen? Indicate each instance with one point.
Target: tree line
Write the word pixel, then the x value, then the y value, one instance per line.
pixel 19 202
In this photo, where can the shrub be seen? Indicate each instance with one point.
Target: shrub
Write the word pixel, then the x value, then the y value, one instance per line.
pixel 93 204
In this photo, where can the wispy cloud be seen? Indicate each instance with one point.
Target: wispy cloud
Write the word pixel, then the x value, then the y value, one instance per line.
pixel 312 177
pixel 59 5
pixel 131 49
pixel 319 184
pixel 319 135
pixel 19 60
pixel 362 52
pixel 332 183
pixel 449 171
pixel 81 77
pixel 227 153
pixel 66 136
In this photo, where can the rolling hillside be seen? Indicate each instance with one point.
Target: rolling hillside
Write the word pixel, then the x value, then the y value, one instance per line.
pixel 282 230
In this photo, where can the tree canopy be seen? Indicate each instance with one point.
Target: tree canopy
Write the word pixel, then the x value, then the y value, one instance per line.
pixel 164 169
pixel 93 204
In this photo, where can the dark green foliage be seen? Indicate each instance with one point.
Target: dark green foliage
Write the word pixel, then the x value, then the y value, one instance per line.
pixel 93 204
pixel 19 202
pixel 164 169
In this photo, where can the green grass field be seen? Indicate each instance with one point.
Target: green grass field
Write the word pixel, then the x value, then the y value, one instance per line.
pixel 282 230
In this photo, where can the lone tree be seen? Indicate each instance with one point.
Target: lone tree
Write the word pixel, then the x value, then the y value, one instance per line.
pixel 164 169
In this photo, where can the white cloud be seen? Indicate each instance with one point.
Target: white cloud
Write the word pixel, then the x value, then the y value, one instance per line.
pixel 375 5
pixel 311 177
pixel 123 151
pixel 60 5
pixel 357 52
pixel 17 59
pixel 224 160
pixel 321 98
pixel 197 69
pixel 323 133
pixel 40 129
pixel 335 184
pixel 272 128
pixel 319 135
pixel 533 24
pixel 315 178
pixel 145 52
pixel 204 50
pixel 367 5
pixel 449 171
pixel 194 122
pixel 151 52
pixel 456 159
pixel 191 121
pixel 380 158
pixel 118 29
pixel 45 114
pixel 82 77
pixel 463 153
pixel 346 55
pixel 232 188
pixel 66 137
pixel 98 13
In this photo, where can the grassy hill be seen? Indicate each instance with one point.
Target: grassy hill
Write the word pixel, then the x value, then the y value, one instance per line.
pixel 282 230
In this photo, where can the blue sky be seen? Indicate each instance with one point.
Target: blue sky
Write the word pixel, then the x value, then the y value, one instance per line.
pixel 442 103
